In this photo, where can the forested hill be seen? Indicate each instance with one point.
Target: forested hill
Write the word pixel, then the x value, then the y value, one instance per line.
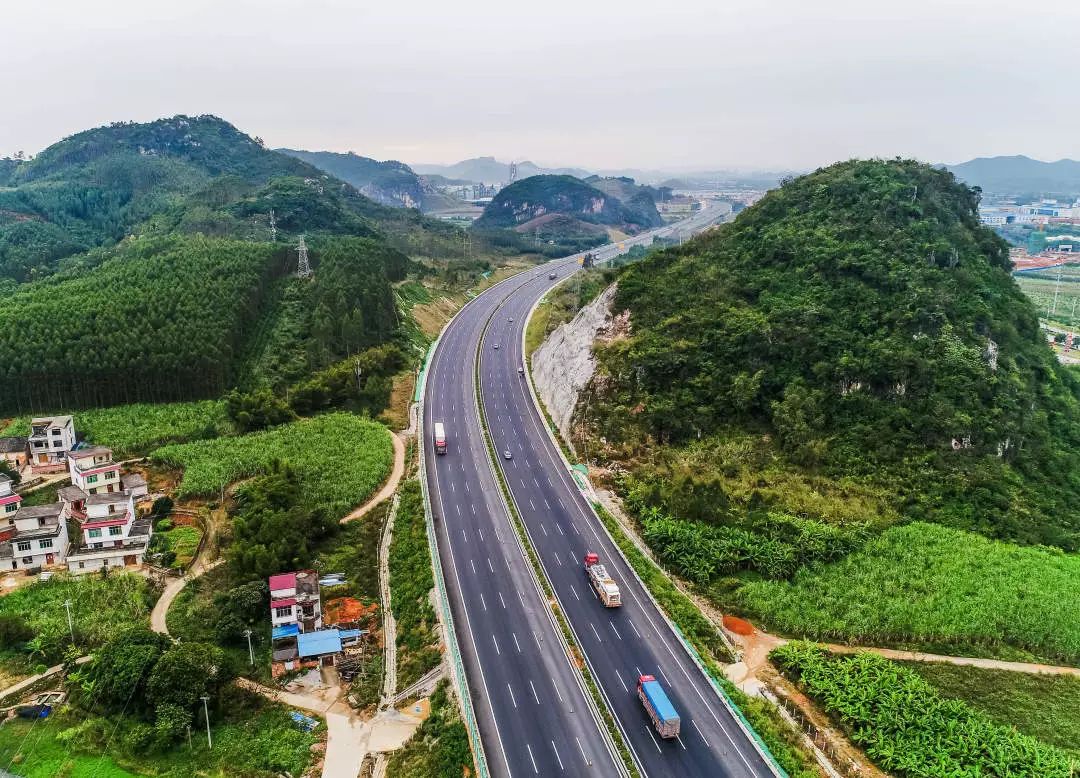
pixel 536 197
pixel 390 183
pixel 183 174
pixel 861 323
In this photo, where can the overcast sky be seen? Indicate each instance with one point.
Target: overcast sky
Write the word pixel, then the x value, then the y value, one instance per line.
pixel 594 83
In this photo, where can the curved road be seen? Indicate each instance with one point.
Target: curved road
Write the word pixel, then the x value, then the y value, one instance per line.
pixel 618 643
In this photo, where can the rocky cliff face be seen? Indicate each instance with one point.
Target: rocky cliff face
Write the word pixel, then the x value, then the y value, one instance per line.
pixel 563 364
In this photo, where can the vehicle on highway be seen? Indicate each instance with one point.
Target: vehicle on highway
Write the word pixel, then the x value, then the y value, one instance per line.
pixel 603 584
pixel 507 454
pixel 552 276
pixel 511 319
pixel 496 346
pixel 658 706
pixel 440 438
pixel 521 371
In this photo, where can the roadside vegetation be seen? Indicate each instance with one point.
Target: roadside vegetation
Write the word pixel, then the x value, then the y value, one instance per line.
pixel 411 583
pixel 139 427
pixel 1041 705
pixel 910 730
pixel 440 747
pixel 933 586
pixel 339 458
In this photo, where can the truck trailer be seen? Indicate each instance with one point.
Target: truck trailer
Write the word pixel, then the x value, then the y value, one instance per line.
pixel 603 584
pixel 658 706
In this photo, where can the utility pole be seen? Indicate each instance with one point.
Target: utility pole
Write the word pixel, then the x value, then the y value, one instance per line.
pixel 71 625
pixel 1057 288
pixel 251 654
pixel 206 712
pixel 303 268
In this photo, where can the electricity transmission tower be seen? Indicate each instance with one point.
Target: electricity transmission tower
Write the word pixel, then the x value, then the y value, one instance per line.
pixel 513 172
pixel 303 268
pixel 273 226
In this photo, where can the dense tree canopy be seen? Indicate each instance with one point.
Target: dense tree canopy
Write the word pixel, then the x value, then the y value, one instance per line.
pixel 159 319
pixel 273 528
pixel 862 319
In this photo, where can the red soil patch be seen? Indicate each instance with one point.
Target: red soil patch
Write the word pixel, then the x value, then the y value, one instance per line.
pixel 344 610
pixel 738 626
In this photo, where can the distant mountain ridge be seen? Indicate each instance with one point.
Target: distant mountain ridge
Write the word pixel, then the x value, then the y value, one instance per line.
pixel 186 174
pixel 391 183
pixel 488 170
pixel 1020 175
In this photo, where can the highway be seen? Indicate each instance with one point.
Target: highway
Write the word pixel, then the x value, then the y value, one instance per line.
pixel 531 709
pixel 619 644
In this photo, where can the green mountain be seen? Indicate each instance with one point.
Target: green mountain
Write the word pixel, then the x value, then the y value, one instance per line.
pixel 639 200
pixel 1021 175
pixel 389 183
pixel 856 334
pixel 530 203
pixel 187 174
pixel 141 265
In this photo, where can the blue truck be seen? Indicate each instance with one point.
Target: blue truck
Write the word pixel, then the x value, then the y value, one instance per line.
pixel 663 714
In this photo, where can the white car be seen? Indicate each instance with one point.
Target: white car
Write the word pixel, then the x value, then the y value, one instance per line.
pixel 507 454
pixel 496 347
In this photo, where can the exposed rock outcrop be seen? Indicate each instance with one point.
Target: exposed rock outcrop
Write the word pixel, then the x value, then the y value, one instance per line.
pixel 564 364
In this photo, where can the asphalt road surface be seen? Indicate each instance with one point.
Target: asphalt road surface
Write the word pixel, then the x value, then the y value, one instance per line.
pixel 531 710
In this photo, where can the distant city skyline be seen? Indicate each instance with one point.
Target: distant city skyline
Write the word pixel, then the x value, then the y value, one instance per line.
pixel 600 85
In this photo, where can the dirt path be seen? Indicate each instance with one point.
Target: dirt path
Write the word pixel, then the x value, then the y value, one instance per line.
pixel 201 565
pixel 389 623
pixel 349 738
pixel 391 484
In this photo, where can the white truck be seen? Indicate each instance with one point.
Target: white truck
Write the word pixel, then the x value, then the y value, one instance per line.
pixel 603 584
pixel 440 438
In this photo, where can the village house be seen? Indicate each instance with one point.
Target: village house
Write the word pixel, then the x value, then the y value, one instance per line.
pixel 9 505
pixel 34 537
pixel 14 451
pixel 51 438
pixel 112 536
pixel 298 637
pixel 294 599
pixel 93 470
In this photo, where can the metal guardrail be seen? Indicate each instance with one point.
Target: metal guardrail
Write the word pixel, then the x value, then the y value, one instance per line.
pixel 457 667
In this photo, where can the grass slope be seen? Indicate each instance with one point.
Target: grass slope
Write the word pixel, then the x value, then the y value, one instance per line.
pixel 127 595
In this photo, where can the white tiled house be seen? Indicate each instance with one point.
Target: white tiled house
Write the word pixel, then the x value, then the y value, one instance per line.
pixel 111 534
pixel 51 438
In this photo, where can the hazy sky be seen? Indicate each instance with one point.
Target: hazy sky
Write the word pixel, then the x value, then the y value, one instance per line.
pixel 702 83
